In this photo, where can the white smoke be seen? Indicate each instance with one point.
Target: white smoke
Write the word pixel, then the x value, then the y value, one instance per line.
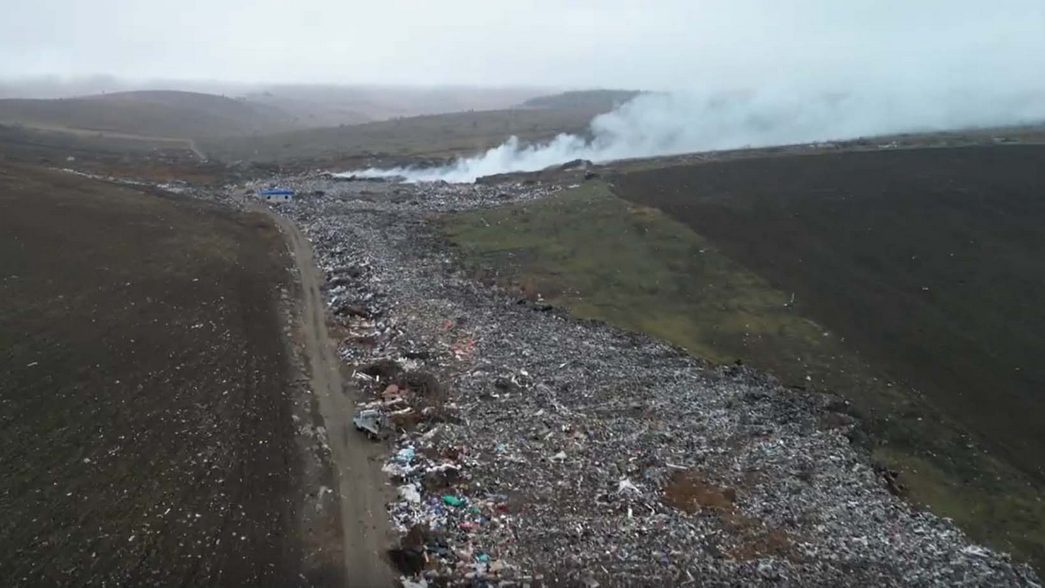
pixel 673 123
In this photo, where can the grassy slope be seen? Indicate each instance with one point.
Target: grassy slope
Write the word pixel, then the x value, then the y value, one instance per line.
pixel 634 267
pixel 434 136
pixel 332 105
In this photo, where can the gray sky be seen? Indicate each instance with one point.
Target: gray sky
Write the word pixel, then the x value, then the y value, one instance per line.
pixel 652 44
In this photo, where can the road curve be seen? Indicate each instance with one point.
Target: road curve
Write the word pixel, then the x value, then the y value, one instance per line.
pixel 360 481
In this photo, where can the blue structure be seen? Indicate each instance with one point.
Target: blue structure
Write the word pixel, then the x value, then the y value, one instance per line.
pixel 276 194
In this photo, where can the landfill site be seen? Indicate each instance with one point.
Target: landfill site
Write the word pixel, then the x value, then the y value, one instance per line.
pixel 543 294
pixel 453 428
pixel 812 364
pixel 526 447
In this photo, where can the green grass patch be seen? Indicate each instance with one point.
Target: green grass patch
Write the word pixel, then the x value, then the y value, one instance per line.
pixel 634 267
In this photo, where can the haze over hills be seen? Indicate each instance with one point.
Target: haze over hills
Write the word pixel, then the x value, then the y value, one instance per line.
pixel 321 105
pixel 289 105
pixel 455 133
pixel 598 101
pixel 294 123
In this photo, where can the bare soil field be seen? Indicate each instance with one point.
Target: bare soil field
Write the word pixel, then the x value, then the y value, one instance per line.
pixel 147 427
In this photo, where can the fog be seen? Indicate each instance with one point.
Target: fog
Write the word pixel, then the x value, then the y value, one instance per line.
pixel 725 74
pixel 662 45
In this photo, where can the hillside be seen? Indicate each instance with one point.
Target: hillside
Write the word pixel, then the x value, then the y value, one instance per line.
pixel 186 115
pixel 300 123
pixel 333 105
pixel 942 247
pixel 433 136
pixel 595 101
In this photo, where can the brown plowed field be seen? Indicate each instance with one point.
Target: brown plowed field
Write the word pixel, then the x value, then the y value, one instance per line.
pixel 145 388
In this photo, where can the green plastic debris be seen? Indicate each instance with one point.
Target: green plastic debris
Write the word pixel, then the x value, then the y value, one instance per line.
pixel 453 501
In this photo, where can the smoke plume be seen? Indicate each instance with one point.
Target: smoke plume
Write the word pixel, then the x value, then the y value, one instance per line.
pixel 657 124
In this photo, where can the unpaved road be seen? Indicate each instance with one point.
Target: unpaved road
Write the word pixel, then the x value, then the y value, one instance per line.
pixel 360 480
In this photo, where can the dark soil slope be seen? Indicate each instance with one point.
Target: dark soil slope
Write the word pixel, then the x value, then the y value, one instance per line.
pixel 145 434
pixel 931 262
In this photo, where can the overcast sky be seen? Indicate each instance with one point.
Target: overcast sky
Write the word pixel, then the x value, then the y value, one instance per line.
pixel 650 44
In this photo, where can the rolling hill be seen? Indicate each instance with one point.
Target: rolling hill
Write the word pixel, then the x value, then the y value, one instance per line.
pixel 175 114
pixel 334 105
pixel 441 135
pixel 472 126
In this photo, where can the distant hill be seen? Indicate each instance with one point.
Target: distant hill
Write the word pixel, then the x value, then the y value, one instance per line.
pixel 433 135
pixel 331 105
pixel 150 113
pixel 595 101
pixel 282 123
pixel 468 128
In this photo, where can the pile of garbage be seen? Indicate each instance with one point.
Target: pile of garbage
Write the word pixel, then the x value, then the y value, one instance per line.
pixel 313 188
pixel 527 446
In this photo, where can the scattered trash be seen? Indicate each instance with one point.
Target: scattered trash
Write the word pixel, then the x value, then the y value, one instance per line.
pixel 373 422
pixel 453 501
pixel 976 551
pixel 409 493
pixel 405 455
pixel 526 441
pixel 626 485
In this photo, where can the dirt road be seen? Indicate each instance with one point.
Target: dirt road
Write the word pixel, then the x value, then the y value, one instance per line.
pixel 360 480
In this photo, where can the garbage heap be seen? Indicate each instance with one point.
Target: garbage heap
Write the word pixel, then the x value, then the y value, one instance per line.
pixel 530 447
